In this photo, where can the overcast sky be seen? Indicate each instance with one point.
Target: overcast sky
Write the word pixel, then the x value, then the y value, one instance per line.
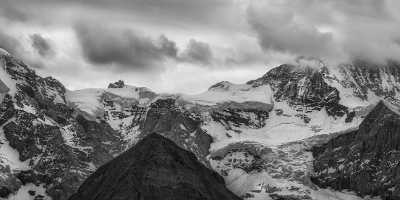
pixel 187 45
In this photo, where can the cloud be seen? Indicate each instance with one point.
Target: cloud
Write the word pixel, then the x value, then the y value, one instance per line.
pixel 203 13
pixel 197 52
pixel 124 48
pixel 12 12
pixel 330 29
pixel 41 45
pixel 280 32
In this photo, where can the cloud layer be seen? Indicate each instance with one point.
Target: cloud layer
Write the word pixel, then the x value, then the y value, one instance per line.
pixel 332 29
pixel 157 38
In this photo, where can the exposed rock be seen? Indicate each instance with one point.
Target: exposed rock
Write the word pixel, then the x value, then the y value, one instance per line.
pixel 156 168
pixel 367 160
pixel 303 86
pixel 362 77
pixel 118 84
pixel 59 147
pixel 167 118
pixel 251 114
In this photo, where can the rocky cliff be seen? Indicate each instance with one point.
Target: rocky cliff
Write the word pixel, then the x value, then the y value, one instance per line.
pixel 45 142
pixel 366 160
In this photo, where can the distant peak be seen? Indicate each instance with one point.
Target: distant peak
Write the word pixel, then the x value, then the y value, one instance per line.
pixel 118 84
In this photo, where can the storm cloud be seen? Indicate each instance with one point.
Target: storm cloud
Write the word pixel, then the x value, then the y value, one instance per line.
pixel 126 48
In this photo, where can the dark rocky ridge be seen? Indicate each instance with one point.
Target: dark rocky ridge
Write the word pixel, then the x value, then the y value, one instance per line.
pixel 156 168
pixel 367 160
pixel 37 122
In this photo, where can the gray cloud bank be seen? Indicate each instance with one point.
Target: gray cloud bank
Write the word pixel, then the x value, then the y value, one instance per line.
pixel 336 30
pixel 130 50
pixel 333 29
pixel 126 48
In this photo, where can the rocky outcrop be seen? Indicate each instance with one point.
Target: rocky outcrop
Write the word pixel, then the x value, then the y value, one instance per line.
pixel 303 86
pixel 118 84
pixel 166 117
pixel 156 168
pixel 362 77
pixel 250 114
pixel 367 160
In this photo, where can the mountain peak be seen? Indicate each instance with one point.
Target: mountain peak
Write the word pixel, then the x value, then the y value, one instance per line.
pixel 118 84
pixel 155 168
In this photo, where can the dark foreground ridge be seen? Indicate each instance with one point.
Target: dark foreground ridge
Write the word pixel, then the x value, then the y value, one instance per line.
pixel 367 160
pixel 156 168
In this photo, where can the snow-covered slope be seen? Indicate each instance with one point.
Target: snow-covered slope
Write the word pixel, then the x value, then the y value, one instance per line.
pixel 91 100
pixel 226 91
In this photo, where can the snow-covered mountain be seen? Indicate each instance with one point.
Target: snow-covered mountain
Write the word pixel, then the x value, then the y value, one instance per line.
pixel 257 135
pixel 47 147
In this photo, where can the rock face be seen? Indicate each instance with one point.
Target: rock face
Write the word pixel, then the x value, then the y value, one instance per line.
pixel 118 84
pixel 250 114
pixel 304 86
pixel 383 80
pixel 55 146
pixel 167 118
pixel 156 168
pixel 366 160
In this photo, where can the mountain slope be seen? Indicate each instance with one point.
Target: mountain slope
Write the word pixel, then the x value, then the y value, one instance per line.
pixel 366 160
pixel 155 168
pixel 44 141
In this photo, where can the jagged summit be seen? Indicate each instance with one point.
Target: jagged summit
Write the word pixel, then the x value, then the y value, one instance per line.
pixel 156 168
pixel 118 84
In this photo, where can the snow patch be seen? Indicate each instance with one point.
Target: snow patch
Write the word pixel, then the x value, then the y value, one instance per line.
pixel 87 100
pixel 22 193
pixel 235 92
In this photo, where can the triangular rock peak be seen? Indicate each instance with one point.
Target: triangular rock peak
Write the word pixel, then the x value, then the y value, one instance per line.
pixel 156 168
